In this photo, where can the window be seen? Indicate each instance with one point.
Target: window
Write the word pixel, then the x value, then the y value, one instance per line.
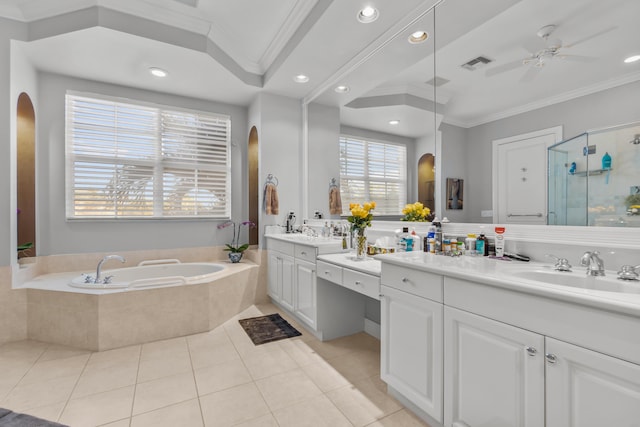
pixel 145 161
pixel 373 171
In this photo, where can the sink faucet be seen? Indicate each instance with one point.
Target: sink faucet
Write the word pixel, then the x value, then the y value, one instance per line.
pixel 594 264
pixel 99 268
pixel 562 264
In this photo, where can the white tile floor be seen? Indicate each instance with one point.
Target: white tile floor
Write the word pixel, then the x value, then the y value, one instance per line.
pixel 213 379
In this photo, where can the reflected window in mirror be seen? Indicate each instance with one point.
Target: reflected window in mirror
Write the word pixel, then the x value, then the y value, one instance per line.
pixel 373 171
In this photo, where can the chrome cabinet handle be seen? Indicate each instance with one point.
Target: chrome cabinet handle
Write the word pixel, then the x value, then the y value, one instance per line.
pixel 358 282
pixel 551 358
pixel 531 351
pixel 303 253
pixel 405 280
pixel 326 272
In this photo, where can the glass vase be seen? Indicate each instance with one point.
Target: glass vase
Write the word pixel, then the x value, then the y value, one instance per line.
pixel 360 243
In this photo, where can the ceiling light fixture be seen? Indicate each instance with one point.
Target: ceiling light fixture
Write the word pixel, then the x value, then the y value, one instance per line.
pixel 418 37
pixel 394 122
pixel 158 72
pixel 368 15
pixel 342 89
pixel 631 59
pixel 301 78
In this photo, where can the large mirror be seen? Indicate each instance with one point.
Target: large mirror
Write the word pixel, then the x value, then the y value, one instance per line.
pixel 506 70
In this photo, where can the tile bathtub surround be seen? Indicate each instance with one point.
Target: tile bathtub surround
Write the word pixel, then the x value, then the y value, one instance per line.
pixel 13 316
pixel 217 378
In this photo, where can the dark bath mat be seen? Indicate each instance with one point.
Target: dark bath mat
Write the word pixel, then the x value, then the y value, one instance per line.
pixel 271 327
pixel 12 419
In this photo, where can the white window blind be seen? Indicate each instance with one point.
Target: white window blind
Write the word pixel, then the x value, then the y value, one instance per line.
pixel 373 171
pixel 145 161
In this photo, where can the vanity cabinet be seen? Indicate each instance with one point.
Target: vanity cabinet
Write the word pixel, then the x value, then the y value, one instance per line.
pixel 412 337
pixel 305 292
pixel 588 389
pixel 494 373
pixel 281 275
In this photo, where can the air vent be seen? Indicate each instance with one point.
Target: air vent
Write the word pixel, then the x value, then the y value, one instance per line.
pixel 476 63
pixel 437 81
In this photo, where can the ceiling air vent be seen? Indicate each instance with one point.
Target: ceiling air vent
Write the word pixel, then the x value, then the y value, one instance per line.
pixel 476 63
pixel 437 81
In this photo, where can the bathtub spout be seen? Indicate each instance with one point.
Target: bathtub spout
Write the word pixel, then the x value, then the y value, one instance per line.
pixel 99 268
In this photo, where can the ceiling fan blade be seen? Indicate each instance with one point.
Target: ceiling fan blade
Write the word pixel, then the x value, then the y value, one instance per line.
pixel 591 36
pixel 503 68
pixel 576 58
pixel 531 74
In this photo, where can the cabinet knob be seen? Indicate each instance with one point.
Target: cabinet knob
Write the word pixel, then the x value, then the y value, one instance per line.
pixel 551 358
pixel 405 280
pixel 327 272
pixel 358 282
pixel 303 253
pixel 531 351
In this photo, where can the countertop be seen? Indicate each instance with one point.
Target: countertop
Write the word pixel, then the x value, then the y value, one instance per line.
pixel 503 274
pixel 347 260
pixel 303 239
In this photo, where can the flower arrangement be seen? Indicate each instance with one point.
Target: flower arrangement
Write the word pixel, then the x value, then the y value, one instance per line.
pixel 361 215
pixel 415 212
pixel 235 246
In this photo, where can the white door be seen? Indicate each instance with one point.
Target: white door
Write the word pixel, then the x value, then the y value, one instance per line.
pixel 275 275
pixel 520 177
pixel 589 389
pixel 411 344
pixel 288 276
pixel 305 295
pixel 494 373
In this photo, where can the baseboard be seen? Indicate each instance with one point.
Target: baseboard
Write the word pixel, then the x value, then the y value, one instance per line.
pixel 372 328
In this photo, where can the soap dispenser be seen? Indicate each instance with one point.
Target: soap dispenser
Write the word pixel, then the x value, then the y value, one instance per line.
pixel 606 161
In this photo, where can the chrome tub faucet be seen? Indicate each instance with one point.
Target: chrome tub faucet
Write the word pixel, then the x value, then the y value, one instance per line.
pixel 99 268
pixel 594 264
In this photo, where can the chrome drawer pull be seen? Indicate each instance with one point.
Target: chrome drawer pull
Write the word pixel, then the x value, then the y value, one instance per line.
pixel 405 280
pixel 358 282
pixel 303 253
pixel 551 358
pixel 532 351
pixel 327 272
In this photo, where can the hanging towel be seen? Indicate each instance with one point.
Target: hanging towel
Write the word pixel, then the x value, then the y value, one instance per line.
pixel 271 199
pixel 335 203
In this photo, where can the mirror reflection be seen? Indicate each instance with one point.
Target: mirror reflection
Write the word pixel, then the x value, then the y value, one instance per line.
pixel 533 65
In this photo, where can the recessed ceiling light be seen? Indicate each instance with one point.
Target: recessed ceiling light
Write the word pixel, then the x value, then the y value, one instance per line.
pixel 631 59
pixel 418 37
pixel 342 89
pixel 368 14
pixel 301 78
pixel 394 122
pixel 158 72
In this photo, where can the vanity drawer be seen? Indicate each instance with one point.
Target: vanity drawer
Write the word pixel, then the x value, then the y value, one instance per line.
pixel 329 272
pixel 307 253
pixel 280 246
pixel 416 282
pixel 360 282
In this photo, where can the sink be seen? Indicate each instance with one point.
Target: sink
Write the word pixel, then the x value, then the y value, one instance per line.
pixel 580 280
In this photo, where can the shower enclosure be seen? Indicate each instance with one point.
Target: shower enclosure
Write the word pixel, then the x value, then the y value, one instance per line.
pixel 594 178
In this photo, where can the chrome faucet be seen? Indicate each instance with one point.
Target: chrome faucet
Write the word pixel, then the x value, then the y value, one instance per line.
pixel 594 264
pixel 562 264
pixel 99 268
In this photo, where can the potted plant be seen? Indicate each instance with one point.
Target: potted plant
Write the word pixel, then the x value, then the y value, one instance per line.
pixel 235 248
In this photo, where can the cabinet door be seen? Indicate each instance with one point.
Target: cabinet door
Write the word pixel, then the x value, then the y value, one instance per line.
pixel 411 343
pixel 590 389
pixel 305 294
pixel 288 276
pixel 494 373
pixel 275 275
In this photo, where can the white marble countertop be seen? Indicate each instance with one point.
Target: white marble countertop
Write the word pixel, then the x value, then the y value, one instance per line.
pixel 504 274
pixel 347 260
pixel 303 239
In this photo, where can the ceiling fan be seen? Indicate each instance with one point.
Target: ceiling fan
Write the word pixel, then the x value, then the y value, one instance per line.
pixel 542 51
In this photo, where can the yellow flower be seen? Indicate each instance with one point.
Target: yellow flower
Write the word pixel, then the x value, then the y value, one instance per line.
pixel 367 206
pixel 418 206
pixel 373 205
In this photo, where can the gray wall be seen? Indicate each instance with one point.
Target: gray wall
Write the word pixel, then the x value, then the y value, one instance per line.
pixel 324 155
pixel 455 165
pixel 602 109
pixel 57 235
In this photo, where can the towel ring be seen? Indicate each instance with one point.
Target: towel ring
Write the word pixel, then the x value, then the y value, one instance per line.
pixel 271 180
pixel 332 183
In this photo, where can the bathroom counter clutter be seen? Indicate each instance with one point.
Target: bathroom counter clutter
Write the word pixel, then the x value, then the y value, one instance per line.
pixel 535 278
pixel 347 260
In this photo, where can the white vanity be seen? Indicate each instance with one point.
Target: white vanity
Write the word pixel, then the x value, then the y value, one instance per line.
pixel 470 342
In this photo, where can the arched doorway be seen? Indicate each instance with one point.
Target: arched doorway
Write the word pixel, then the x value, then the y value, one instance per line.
pixel 254 205
pixel 26 176
pixel 427 181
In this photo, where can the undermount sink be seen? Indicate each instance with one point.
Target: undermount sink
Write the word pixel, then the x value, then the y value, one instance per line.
pixel 580 280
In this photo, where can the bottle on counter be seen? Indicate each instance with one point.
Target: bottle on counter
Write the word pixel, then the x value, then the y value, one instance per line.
pixel 430 240
pixel 482 245
pixel 470 242
pixel 499 241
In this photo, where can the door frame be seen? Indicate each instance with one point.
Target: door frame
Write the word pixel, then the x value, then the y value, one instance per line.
pixel 556 131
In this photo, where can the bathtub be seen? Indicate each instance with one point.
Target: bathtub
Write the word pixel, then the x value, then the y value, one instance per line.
pixel 153 274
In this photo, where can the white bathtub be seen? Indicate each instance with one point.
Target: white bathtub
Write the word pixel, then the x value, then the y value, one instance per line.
pixel 143 276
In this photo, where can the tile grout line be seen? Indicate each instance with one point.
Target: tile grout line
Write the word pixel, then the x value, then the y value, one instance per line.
pixel 135 385
pixel 195 382
pixel 8 393
pixel 66 403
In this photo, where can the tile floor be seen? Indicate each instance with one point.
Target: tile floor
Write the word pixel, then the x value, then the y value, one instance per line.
pixel 217 378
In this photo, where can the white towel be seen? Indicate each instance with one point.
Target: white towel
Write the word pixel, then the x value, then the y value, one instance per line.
pixel 335 202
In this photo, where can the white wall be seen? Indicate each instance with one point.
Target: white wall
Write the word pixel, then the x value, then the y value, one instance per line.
pixel 324 156
pixel 57 235
pixel 602 109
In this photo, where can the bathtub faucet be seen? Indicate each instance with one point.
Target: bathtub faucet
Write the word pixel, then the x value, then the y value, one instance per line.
pixel 99 269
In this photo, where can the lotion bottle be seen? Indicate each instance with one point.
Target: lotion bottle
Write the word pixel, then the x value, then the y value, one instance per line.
pixel 499 241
